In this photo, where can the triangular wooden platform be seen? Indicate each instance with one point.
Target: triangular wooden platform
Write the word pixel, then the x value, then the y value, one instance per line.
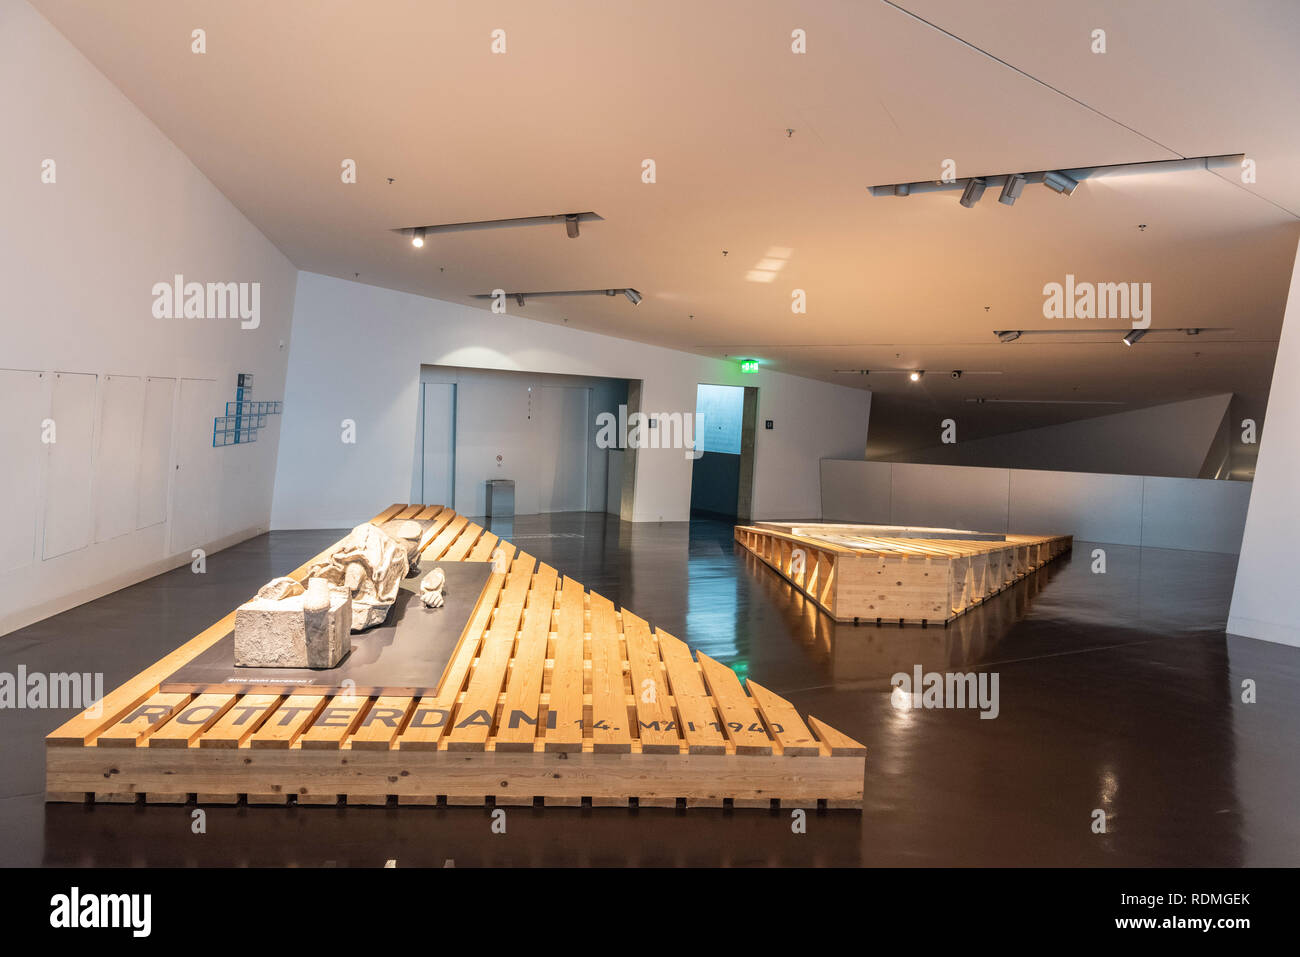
pixel 552 695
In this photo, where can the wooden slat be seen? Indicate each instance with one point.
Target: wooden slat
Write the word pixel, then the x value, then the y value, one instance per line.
pixel 239 722
pixel 739 719
pixel 382 723
pixel 183 730
pixel 464 543
pixel 294 715
pixel 335 722
pixel 835 743
pixel 695 715
pixel 783 722
pixel 475 715
pixel 521 710
pixel 483 550
pixel 138 723
pixel 435 549
pixel 609 715
pixel 564 731
pixel 656 726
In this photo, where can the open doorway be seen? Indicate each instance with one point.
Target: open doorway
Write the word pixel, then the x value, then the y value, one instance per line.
pixel 722 477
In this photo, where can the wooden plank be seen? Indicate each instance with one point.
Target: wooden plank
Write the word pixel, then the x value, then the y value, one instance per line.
pixel 460 549
pixel 783 722
pixel 183 730
pixel 836 744
pixel 474 716
pixel 521 710
pixel 382 723
pixel 239 722
pixel 609 712
pixel 335 722
pixel 695 715
pixel 564 731
pixel 656 726
pixel 739 719
pixel 483 550
pixel 435 549
pixel 154 712
pixel 82 729
pixel 294 716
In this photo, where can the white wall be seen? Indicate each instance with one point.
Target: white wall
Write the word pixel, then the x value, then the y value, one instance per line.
pixel 357 355
pixel 1154 511
pixel 531 421
pixel 1173 439
pixel 131 482
pixel 1263 600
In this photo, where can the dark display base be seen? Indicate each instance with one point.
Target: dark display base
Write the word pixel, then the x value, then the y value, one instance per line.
pixel 405 655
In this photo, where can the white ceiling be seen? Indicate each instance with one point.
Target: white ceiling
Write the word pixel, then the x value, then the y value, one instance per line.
pixel 587 90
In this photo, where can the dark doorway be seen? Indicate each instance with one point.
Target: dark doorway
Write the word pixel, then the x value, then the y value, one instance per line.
pixel 721 475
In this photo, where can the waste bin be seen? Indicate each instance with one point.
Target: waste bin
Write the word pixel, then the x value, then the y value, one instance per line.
pixel 501 498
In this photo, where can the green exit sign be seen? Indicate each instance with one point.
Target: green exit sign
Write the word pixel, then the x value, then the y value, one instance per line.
pixel 749 365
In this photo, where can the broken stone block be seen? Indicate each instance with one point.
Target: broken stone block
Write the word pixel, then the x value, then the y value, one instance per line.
pixel 310 630
pixel 278 588
pixel 431 587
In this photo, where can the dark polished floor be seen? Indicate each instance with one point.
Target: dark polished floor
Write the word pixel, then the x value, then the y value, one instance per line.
pixel 1117 691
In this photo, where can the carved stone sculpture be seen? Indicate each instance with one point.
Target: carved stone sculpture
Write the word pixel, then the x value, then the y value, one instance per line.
pixel 407 534
pixel 366 568
pixel 431 587
pixel 307 629
pixel 278 588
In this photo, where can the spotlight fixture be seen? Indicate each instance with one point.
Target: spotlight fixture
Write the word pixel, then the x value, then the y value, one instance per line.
pixel 519 298
pixel 417 238
pixel 633 296
pixel 1008 335
pixel 972 193
pixel 1134 336
pixel 1011 189
pixel 955 373
pixel 1192 332
pixel 902 189
pixel 915 376
pixel 1059 182
pixel 571 225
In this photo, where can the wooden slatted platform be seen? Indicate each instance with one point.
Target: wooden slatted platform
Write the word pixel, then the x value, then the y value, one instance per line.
pixel 912 580
pixel 552 695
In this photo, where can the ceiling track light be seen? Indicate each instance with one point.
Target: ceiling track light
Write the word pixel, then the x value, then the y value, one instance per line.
pixel 417 238
pixel 1060 183
pixel 1063 181
pixel 633 296
pixel 1011 189
pixel 570 221
pixel 973 191
pixel 1007 335
pixel 1133 336
pixel 915 375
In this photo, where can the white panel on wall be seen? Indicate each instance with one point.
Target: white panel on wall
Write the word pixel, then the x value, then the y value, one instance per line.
pixel 856 491
pixel 68 506
pixel 117 455
pixel 24 404
pixel 950 497
pixel 438 420
pixel 1198 514
pixel 1090 506
pixel 198 471
pixel 559 433
pixel 155 452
